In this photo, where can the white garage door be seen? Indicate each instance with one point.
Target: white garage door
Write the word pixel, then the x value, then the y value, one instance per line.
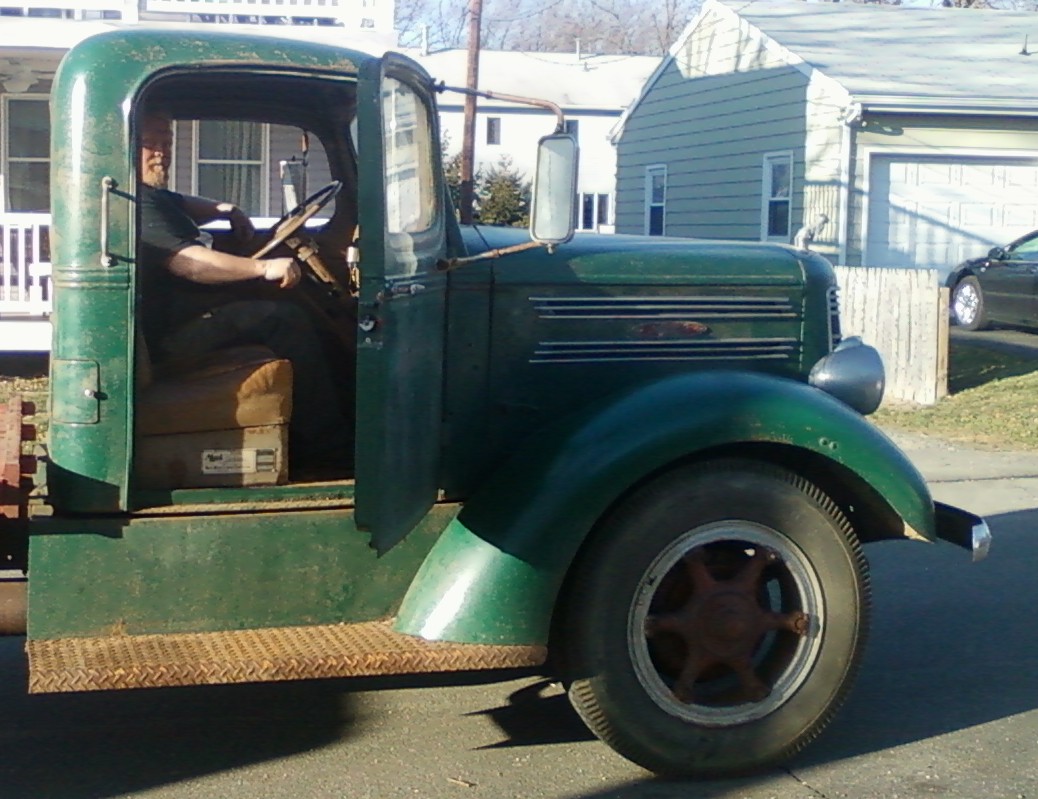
pixel 939 211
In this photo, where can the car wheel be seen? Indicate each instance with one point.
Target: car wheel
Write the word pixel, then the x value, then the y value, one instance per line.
pixel 968 304
pixel 716 620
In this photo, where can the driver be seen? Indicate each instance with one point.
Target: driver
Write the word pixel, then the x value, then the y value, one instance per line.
pixel 188 313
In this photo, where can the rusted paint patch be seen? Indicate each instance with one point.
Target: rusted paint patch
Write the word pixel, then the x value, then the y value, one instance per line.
pixel 667 330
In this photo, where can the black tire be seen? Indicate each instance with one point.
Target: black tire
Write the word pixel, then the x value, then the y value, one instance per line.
pixel 692 569
pixel 967 304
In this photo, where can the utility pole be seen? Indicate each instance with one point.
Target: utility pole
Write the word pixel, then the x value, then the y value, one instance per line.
pixel 468 140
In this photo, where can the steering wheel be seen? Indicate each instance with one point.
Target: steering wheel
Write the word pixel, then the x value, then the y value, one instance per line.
pixel 297 217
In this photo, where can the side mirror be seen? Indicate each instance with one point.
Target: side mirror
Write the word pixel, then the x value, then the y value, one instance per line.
pixel 997 254
pixel 554 189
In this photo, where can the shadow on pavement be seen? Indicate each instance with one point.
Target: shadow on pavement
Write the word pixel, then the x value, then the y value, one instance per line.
pixel 953 643
pixel 953 646
pixel 537 714
pixel 70 746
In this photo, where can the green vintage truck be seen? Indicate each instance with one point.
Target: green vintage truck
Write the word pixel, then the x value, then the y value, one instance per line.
pixel 638 464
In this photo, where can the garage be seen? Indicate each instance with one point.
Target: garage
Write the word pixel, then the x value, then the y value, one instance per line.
pixel 938 211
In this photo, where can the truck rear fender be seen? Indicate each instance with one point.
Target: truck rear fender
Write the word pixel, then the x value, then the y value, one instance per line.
pixel 494 574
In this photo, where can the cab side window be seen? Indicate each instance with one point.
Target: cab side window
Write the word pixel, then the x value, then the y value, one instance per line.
pixel 411 198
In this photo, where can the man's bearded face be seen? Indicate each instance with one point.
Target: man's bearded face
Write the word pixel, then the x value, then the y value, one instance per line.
pixel 156 150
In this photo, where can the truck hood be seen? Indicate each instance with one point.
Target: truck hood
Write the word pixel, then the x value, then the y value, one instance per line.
pixel 609 258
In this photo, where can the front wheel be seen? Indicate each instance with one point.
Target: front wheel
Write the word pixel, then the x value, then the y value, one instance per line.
pixel 967 304
pixel 715 621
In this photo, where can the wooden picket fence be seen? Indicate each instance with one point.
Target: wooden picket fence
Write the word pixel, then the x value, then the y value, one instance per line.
pixel 903 313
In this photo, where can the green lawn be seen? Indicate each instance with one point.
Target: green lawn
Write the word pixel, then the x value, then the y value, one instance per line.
pixel 992 402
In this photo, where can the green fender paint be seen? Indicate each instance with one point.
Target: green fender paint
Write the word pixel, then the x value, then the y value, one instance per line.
pixel 494 574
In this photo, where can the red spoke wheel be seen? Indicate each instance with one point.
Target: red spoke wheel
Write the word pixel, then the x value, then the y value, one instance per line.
pixel 715 621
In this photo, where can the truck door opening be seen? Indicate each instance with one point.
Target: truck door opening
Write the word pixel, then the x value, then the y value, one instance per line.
pixel 240 379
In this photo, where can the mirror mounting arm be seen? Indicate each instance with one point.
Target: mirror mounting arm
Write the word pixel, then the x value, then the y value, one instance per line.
pixel 447 264
pixel 560 119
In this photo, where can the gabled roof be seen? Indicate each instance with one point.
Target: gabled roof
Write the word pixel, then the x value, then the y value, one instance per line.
pixel 892 57
pixel 958 55
pixel 571 80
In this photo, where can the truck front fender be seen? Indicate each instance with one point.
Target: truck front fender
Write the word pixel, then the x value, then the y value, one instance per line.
pixel 494 574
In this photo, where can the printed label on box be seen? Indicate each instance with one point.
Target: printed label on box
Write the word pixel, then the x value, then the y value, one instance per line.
pixel 238 461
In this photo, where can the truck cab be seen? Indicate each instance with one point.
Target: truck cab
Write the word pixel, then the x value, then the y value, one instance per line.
pixel 640 465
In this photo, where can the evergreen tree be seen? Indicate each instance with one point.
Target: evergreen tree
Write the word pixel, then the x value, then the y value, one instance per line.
pixel 504 196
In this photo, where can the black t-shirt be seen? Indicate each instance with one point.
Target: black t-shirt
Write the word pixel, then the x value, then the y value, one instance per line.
pixel 166 227
pixel 168 301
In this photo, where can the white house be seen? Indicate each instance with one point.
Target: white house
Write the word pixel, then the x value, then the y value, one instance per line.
pixel 592 90
pixel 912 130
pixel 34 35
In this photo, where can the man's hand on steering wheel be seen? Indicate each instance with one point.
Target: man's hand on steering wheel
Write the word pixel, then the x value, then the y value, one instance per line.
pixel 283 271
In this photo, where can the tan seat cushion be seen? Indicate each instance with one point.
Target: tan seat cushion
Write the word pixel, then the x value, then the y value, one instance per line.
pixel 227 389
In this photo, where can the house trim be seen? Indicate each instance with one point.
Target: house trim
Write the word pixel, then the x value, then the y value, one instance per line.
pixel 939 107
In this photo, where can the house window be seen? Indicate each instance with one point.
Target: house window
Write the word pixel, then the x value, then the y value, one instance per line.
pixel 655 199
pixel 493 130
pixel 26 166
pixel 587 212
pixel 230 159
pixel 573 128
pixel 592 211
pixel 776 192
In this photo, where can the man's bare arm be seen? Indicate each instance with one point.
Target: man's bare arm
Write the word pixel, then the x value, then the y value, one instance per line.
pixel 211 267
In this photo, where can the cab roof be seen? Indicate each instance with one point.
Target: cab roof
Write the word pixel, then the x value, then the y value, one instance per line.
pixel 131 55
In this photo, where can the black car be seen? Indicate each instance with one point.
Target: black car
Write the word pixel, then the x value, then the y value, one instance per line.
pixel 1000 288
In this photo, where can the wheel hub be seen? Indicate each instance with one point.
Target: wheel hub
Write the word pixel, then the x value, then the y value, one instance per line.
pixel 966 304
pixel 721 623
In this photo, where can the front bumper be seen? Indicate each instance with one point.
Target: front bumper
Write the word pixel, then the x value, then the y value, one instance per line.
pixel 964 529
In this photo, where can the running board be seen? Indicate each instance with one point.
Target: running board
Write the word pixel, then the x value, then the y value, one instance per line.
pixel 245 656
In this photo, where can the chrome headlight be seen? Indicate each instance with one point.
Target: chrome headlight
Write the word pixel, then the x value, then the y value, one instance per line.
pixel 853 373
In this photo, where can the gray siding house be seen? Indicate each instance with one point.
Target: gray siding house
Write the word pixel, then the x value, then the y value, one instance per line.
pixel 904 136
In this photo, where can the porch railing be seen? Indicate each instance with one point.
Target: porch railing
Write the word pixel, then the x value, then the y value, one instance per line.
pixel 25 272
pixel 344 11
pixel 77 8
pixel 341 10
pixel 25 282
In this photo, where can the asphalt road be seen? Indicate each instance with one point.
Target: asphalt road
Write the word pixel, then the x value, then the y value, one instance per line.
pixel 946 706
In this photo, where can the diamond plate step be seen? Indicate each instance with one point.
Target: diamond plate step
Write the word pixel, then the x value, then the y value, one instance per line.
pixel 239 656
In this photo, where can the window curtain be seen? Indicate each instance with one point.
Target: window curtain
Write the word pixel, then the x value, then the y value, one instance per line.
pixel 230 163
